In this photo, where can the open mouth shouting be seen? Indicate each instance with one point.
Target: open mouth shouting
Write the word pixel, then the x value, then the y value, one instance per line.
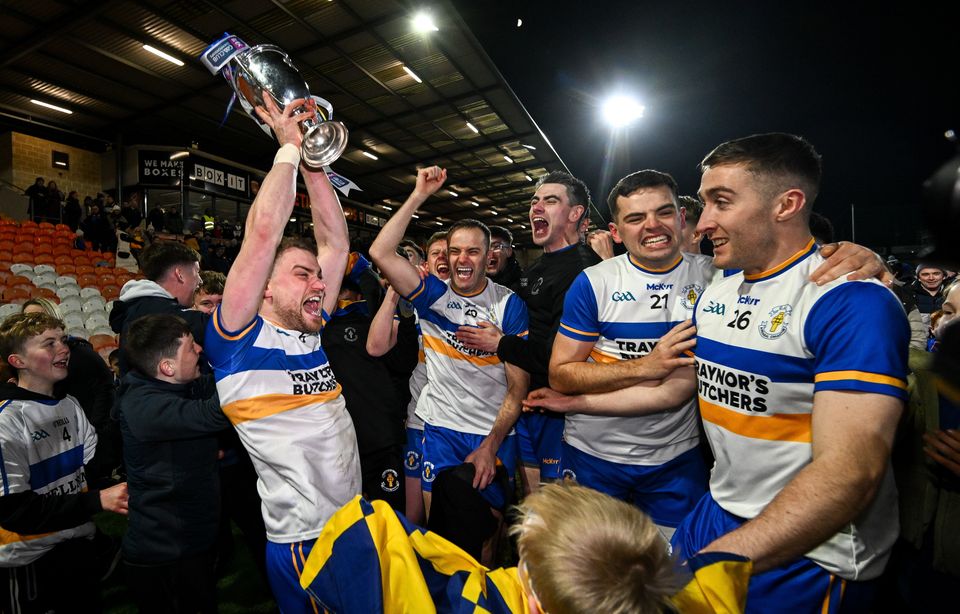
pixel 540 226
pixel 314 305
pixel 443 270
pixel 464 274
pixel 656 241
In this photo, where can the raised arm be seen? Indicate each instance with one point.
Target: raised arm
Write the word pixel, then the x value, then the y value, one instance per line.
pixel 485 456
pixel 330 231
pixel 571 374
pixel 646 398
pixel 243 291
pixel 852 437
pixel 402 275
pixel 382 335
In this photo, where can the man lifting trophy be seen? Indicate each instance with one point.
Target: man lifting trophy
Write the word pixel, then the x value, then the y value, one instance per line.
pixel 251 71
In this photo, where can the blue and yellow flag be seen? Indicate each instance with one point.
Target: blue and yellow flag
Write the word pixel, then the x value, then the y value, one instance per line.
pixel 370 559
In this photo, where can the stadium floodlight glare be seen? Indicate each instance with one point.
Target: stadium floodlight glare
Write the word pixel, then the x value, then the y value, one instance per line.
pixel 52 106
pixel 472 127
pixel 474 203
pixel 423 22
pixel 620 110
pixel 369 155
pixel 452 193
pixel 162 54
pixel 529 178
pixel 508 159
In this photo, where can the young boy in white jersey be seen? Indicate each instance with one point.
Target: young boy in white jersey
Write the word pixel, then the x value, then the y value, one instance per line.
pixel 46 532
pixel 801 387
pixel 274 380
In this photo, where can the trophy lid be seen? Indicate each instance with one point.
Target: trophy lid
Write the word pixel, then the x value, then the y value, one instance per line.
pixel 219 53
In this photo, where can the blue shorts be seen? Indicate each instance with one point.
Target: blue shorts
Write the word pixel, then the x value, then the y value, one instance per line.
pixel 540 439
pixel 666 492
pixel 284 565
pixel 803 584
pixel 412 453
pixel 444 448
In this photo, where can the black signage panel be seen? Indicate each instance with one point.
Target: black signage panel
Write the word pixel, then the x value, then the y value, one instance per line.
pixel 155 168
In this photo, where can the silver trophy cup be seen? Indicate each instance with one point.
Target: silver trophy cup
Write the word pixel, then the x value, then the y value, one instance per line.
pixel 251 71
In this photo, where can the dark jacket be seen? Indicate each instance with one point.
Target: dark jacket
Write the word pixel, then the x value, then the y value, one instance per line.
pixel 927 303
pixel 510 275
pixel 141 297
pixel 170 449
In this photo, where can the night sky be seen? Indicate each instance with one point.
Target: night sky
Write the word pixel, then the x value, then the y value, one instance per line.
pixel 874 89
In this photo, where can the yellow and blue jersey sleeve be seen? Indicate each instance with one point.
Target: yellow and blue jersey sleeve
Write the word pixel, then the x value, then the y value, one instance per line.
pixel 427 292
pixel 221 346
pixel 859 337
pixel 580 319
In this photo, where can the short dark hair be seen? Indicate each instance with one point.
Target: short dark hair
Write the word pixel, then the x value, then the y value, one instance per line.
pixel 646 178
pixel 295 243
pixel 781 161
pixel 412 245
pixel 504 234
pixel 467 224
pixel 821 228
pixel 440 235
pixel 211 282
pixel 692 208
pixel 577 192
pixel 152 338
pixel 161 256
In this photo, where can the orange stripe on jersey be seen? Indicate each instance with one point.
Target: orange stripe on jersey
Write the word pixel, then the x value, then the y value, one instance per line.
pixel 441 347
pixel 9 537
pixel 267 405
pixel 778 427
pixel 599 356
pixel 862 376
pixel 579 332
pixel 220 331
pixel 783 264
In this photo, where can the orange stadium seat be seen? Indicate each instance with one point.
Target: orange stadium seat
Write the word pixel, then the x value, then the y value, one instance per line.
pixel 101 341
pixel 106 280
pixel 43 248
pixel 110 292
pixel 86 279
pixel 44 293
pixel 62 258
pixel 63 227
pixel 15 293
pixel 45 225
pixel 5 274
pixel 6 254
pixel 83 269
pixel 44 258
pixel 66 269
pixel 15 280
pixel 29 224
pixel 25 257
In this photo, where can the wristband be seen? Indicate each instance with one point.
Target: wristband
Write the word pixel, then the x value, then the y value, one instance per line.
pixel 289 154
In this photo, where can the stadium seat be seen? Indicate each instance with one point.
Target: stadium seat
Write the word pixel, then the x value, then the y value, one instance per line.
pixel 99 340
pixel 67 291
pixel 24 278
pixel 23 257
pixel 110 292
pixel 76 331
pixel 43 259
pixel 90 292
pixel 70 304
pixel 66 269
pixel 15 294
pixel 19 268
pixel 67 280
pixel 83 269
pixel 45 278
pixel 96 321
pixel 40 269
pixel 8 310
pixel 93 304
pixel 44 292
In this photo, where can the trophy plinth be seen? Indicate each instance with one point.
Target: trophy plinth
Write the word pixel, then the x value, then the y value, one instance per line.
pixel 251 71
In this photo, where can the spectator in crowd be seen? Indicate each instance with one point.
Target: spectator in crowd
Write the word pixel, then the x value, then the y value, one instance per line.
pixel 172 273
pixel 217 259
pixel 89 381
pixel 130 210
pixel 97 230
pixel 46 504
pixel 155 218
pixel 170 418
pixel 72 211
pixel 810 378
pixel 502 265
pixel 928 289
pixel 172 220
pixel 50 210
pixel 926 462
pixel 37 193
pixel 209 292
pixel 264 339
pixel 690 238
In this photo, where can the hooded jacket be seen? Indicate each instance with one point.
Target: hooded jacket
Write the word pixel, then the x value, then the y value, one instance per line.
pixel 170 450
pixel 141 297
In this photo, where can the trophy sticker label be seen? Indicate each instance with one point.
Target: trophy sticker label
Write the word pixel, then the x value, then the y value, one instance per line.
pixel 218 54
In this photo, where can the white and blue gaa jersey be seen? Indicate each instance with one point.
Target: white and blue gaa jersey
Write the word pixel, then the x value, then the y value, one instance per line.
pixel 464 388
pixel 766 344
pixel 43 448
pixel 279 392
pixel 624 309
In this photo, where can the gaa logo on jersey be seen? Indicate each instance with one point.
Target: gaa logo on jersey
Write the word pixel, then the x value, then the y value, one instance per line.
pixel 412 462
pixel 777 323
pixel 428 473
pixel 389 481
pixel 568 474
pixel 689 295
